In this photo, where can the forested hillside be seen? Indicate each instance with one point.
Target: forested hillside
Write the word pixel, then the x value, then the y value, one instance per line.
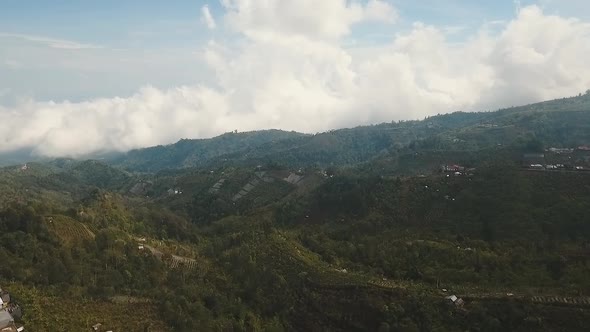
pixel 563 122
pixel 195 153
pixel 363 229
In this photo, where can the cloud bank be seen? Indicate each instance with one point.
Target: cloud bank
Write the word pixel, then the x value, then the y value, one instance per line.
pixel 291 69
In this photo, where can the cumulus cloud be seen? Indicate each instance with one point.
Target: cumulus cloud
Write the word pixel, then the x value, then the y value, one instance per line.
pixel 207 18
pixel 326 19
pixel 149 117
pixel 291 71
pixel 378 10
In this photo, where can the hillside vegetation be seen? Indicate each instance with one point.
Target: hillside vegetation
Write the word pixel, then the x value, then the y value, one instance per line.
pixel 195 153
pixel 352 230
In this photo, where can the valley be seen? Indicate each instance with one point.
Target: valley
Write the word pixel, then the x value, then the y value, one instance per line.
pixel 365 229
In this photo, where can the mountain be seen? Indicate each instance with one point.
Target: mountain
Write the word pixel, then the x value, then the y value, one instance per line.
pixel 17 157
pixel 196 152
pixel 562 122
pixel 352 230
pixel 549 122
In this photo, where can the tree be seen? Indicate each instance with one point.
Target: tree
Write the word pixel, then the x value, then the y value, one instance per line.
pixel 331 171
pixel 534 145
pixel 384 327
pixel 556 267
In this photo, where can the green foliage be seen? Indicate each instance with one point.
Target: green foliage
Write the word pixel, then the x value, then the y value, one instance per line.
pixel 366 244
pixel 191 153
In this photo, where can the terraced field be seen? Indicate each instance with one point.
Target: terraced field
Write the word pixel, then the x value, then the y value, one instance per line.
pixel 576 301
pixel 173 261
pixel 67 229
pixel 217 186
pixel 297 259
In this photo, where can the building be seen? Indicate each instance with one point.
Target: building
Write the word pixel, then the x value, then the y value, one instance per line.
pixel 452 168
pixel 4 298
pixel 561 150
pixel 9 311
pixel 453 299
pixel 15 311
pixel 6 320
pixel 487 125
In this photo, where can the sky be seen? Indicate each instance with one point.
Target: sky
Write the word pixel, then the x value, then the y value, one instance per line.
pixel 82 77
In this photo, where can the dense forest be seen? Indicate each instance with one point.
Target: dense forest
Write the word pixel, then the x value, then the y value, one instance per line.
pixel 352 230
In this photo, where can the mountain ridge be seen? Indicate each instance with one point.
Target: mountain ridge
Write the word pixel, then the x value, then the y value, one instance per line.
pixel 351 230
pixel 334 147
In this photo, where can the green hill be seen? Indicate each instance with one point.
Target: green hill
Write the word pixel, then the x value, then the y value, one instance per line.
pixel 562 122
pixel 193 153
pixel 352 230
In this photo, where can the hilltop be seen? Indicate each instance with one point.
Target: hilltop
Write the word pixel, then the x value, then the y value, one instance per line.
pixel 196 152
pixel 562 122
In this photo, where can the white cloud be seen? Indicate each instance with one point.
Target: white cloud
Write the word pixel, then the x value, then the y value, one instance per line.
pixel 291 71
pixel 378 10
pixel 149 117
pixel 207 18
pixel 326 19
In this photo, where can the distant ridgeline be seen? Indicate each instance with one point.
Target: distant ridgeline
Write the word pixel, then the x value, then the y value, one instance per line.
pixel 557 123
pixel 464 221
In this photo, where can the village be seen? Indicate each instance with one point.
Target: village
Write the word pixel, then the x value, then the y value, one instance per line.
pixel 559 159
pixel 9 313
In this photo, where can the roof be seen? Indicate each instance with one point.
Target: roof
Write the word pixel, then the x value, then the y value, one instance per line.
pixel 5 319
pixel 452 298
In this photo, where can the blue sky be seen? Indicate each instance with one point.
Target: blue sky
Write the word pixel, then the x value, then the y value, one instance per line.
pixel 153 24
pixel 124 74
pixel 110 23
pixel 168 33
